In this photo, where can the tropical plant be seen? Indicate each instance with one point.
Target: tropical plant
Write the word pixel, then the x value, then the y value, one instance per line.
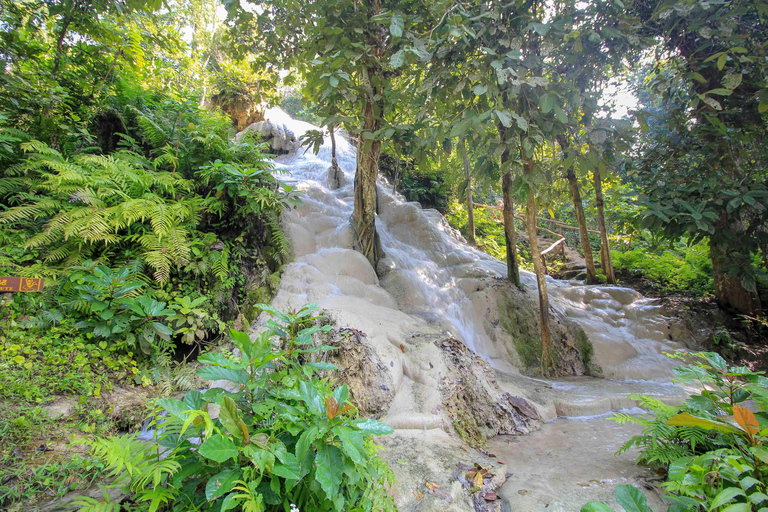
pixel 715 450
pixel 276 434
pixel 93 204
pixel 628 496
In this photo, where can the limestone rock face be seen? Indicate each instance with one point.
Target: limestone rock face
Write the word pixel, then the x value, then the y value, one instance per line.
pixel 281 138
pixel 243 109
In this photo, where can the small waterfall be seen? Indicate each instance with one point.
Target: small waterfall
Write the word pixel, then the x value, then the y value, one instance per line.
pixel 429 274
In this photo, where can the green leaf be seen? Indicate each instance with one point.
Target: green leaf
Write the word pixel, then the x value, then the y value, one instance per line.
pixel 311 396
pixel 216 373
pixel 230 502
pixel 547 103
pixel 398 58
pixel 351 443
pixel 594 506
pixel 396 25
pixel 738 507
pixel 726 496
pixel 333 81
pixel 329 469
pixel 505 117
pixel 305 441
pixel 732 80
pixel 480 89
pixel 560 114
pixel 289 468
pixel 686 420
pixel 221 483
pixel 721 92
pixel 631 499
pixel 174 407
pixel 218 448
pixel 722 60
pixel 230 417
pixel 374 427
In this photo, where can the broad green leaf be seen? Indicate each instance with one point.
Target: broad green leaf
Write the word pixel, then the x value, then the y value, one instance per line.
pixel 218 448
pixel 594 506
pixel 397 59
pixel 289 468
pixel 480 89
pixel 221 483
pixel 547 103
pixel 375 427
pixel 311 396
pixel 174 407
pixel 560 114
pixel 230 417
pixel 632 499
pixel 305 441
pixel 329 469
pixel 396 25
pixel 351 443
pixel 726 496
pixel 722 60
pixel 505 117
pixel 217 373
pixel 686 420
pixel 231 501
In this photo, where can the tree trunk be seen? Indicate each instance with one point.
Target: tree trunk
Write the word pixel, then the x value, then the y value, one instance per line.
pixel 397 173
pixel 538 267
pixel 729 289
pixel 605 247
pixel 581 220
pixel 368 150
pixel 68 17
pixel 332 134
pixel 510 234
pixel 470 202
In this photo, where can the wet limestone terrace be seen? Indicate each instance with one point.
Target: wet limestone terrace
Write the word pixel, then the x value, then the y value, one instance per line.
pixel 444 342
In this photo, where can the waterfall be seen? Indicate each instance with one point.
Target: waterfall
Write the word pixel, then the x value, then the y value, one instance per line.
pixel 430 276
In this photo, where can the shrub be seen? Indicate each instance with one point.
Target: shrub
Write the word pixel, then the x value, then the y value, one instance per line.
pixel 282 435
pixel 689 274
pixel 715 450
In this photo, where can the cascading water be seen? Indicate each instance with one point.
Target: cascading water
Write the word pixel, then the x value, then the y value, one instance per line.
pixel 430 274
pixel 431 285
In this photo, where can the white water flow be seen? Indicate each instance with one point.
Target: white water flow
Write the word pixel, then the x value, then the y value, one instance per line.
pixel 433 282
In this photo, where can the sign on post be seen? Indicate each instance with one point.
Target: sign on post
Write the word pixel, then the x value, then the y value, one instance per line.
pixel 21 284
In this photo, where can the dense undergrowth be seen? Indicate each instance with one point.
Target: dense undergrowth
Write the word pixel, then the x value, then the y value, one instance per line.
pixel 713 447
pixel 282 437
pixel 151 223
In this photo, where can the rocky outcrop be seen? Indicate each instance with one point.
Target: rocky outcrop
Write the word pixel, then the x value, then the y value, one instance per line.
pixel 280 138
pixel 478 408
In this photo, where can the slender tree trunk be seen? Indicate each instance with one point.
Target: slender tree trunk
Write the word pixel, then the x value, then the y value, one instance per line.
pixel 510 234
pixel 508 214
pixel 581 220
pixel 68 17
pixel 397 173
pixel 605 247
pixel 364 217
pixel 538 267
pixel 470 202
pixel 332 133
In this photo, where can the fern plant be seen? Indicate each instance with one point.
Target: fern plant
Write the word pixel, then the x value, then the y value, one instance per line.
pixel 92 205
pixel 659 443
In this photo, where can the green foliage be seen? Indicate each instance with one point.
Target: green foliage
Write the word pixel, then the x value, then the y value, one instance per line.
pixel 628 496
pixel 715 450
pixel 283 435
pixel 37 365
pixel 669 272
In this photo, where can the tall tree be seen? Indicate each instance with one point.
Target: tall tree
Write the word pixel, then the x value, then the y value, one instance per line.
pixel 704 161
pixel 351 50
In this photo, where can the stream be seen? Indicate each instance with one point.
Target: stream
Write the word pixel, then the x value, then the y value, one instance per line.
pixel 432 284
